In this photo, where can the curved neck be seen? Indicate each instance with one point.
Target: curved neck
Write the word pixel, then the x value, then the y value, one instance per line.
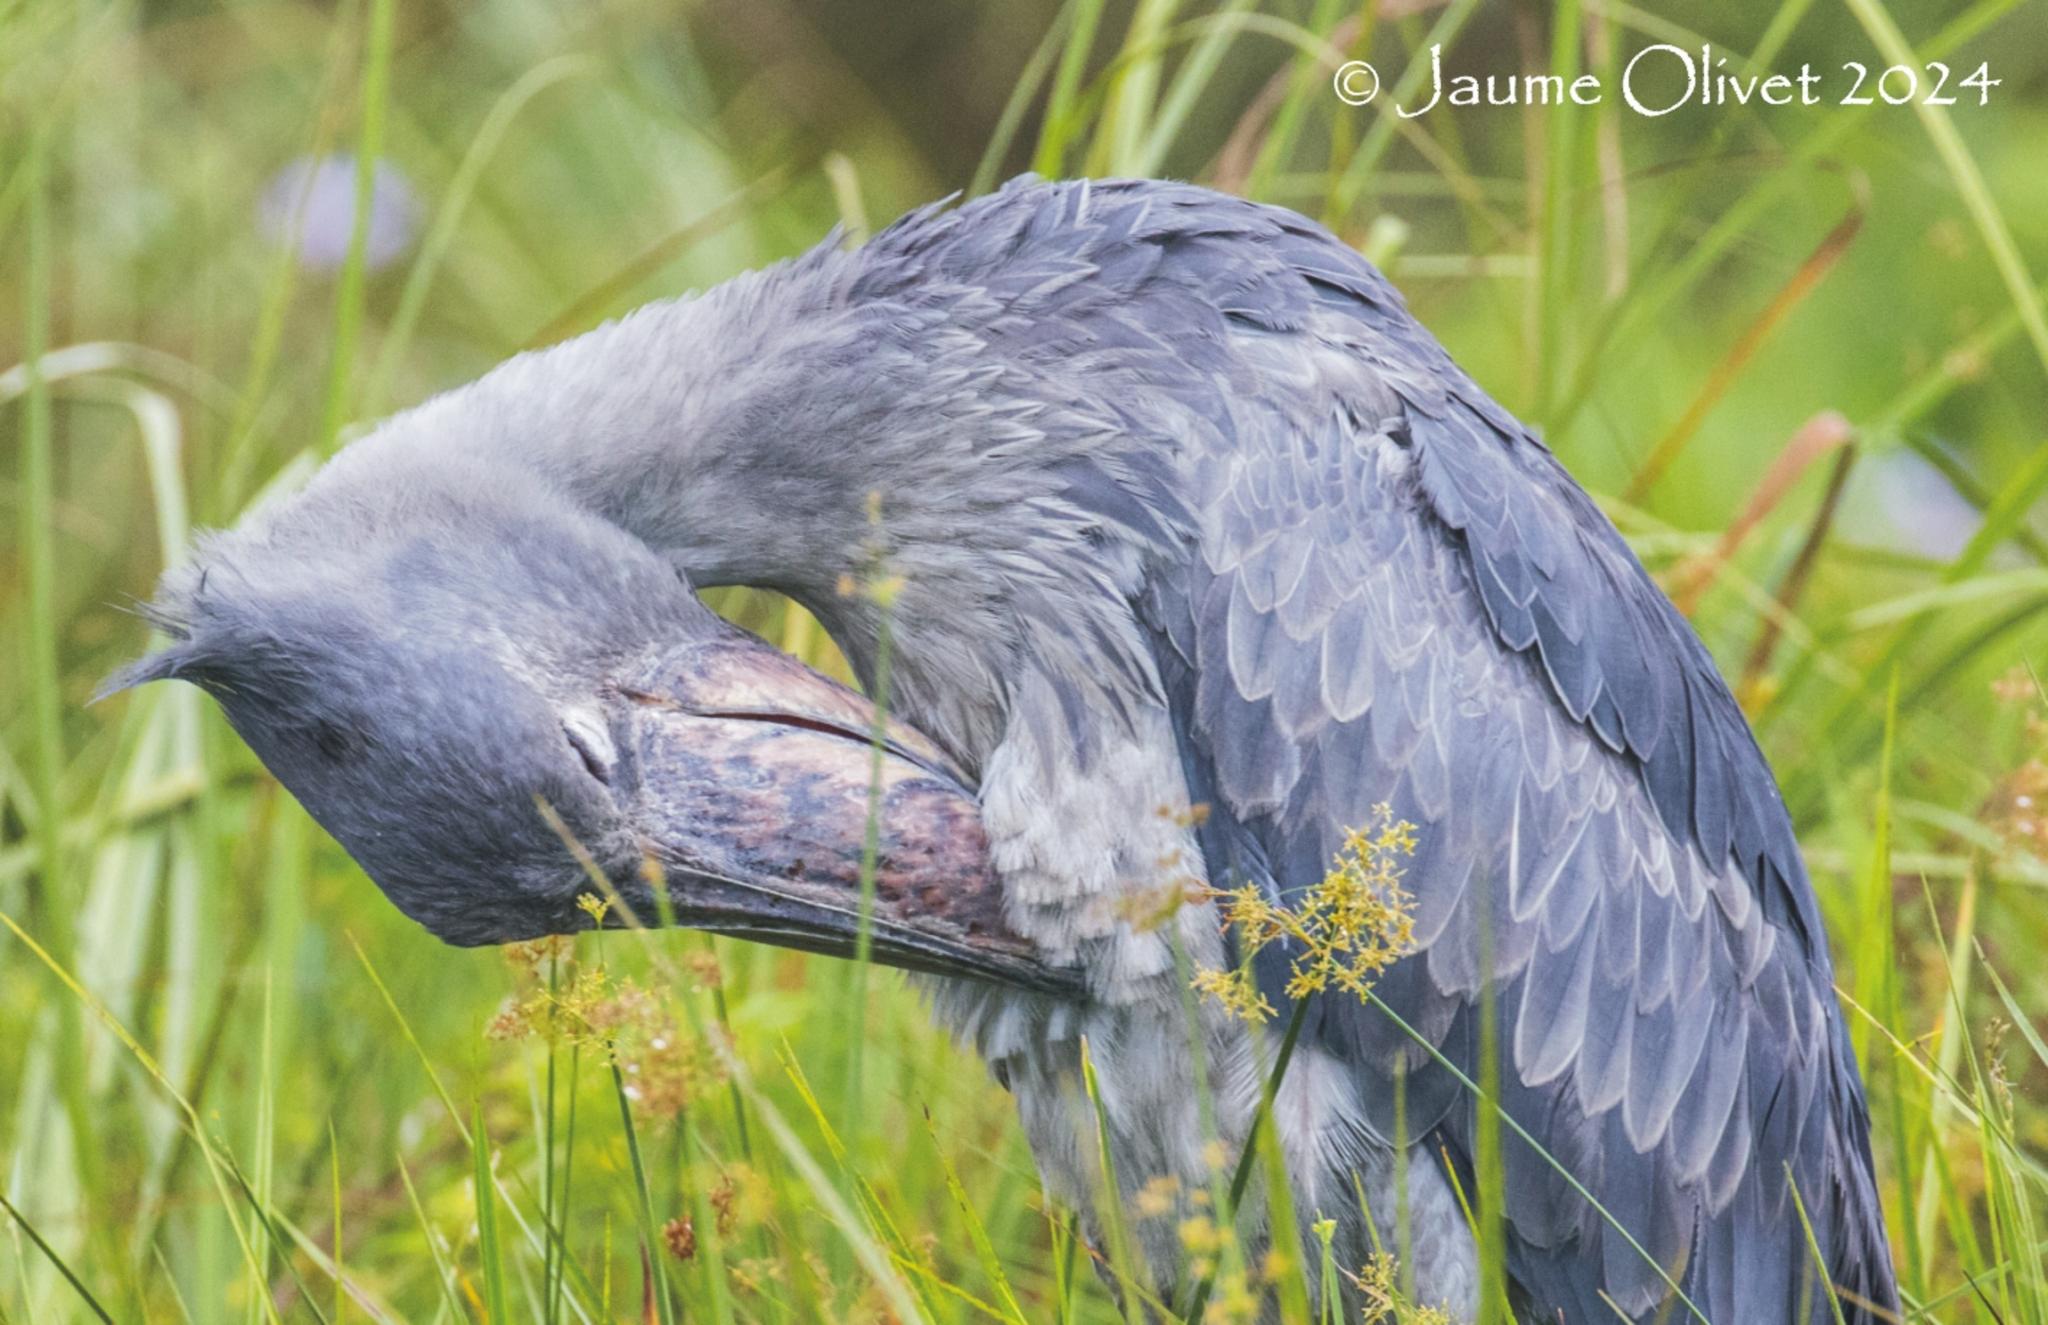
pixel 657 422
pixel 865 459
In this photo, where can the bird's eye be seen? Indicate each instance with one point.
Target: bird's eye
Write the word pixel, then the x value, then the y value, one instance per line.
pixel 592 744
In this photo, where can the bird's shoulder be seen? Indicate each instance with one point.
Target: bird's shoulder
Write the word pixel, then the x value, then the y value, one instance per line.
pixel 1324 440
pixel 1393 593
pixel 1364 582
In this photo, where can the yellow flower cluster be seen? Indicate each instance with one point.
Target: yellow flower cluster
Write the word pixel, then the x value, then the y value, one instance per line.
pixel 628 1024
pixel 1236 1300
pixel 1385 1304
pixel 1346 930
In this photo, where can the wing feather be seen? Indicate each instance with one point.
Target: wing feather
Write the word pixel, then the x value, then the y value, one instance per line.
pixel 1380 587
pixel 1401 597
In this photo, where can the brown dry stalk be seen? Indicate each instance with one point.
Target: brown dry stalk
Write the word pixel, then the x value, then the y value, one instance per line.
pixel 1819 436
pixel 1233 165
pixel 1794 586
pixel 1817 265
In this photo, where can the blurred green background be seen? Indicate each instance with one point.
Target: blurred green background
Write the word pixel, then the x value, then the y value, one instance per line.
pixel 1798 353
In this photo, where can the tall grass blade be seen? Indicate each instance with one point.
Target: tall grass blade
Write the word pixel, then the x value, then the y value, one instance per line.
pixel 444 1268
pixel 984 1250
pixel 1372 148
pixel 21 1221
pixel 340 1263
pixel 1132 91
pixel 1816 1270
pixel 216 1162
pixel 1951 1041
pixel 349 291
pixel 1197 68
pixel 1059 126
pixel 1286 1253
pixel 1656 286
pixel 872 1257
pixel 1794 292
pixel 1489 1104
pixel 871 831
pixel 1240 1176
pixel 1109 1199
pixel 490 1251
pixel 1019 101
pixel 412 300
pixel 48 904
pixel 1877 982
pixel 1963 169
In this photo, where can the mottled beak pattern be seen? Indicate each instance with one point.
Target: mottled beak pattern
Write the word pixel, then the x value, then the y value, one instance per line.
pixel 765 794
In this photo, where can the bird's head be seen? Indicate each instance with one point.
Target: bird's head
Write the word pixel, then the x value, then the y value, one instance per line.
pixel 499 703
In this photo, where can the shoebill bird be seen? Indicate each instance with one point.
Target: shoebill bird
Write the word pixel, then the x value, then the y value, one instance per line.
pixel 1183 509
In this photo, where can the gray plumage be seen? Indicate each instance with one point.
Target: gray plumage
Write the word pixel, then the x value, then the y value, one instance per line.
pixel 417 690
pixel 1188 509
pixel 1377 586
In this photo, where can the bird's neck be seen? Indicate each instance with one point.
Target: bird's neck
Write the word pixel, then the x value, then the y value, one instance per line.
pixel 897 484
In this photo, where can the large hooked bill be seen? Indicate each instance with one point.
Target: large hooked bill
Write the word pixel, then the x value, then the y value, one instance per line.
pixel 777 806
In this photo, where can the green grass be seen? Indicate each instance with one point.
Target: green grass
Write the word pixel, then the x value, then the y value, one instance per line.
pixel 235 1085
